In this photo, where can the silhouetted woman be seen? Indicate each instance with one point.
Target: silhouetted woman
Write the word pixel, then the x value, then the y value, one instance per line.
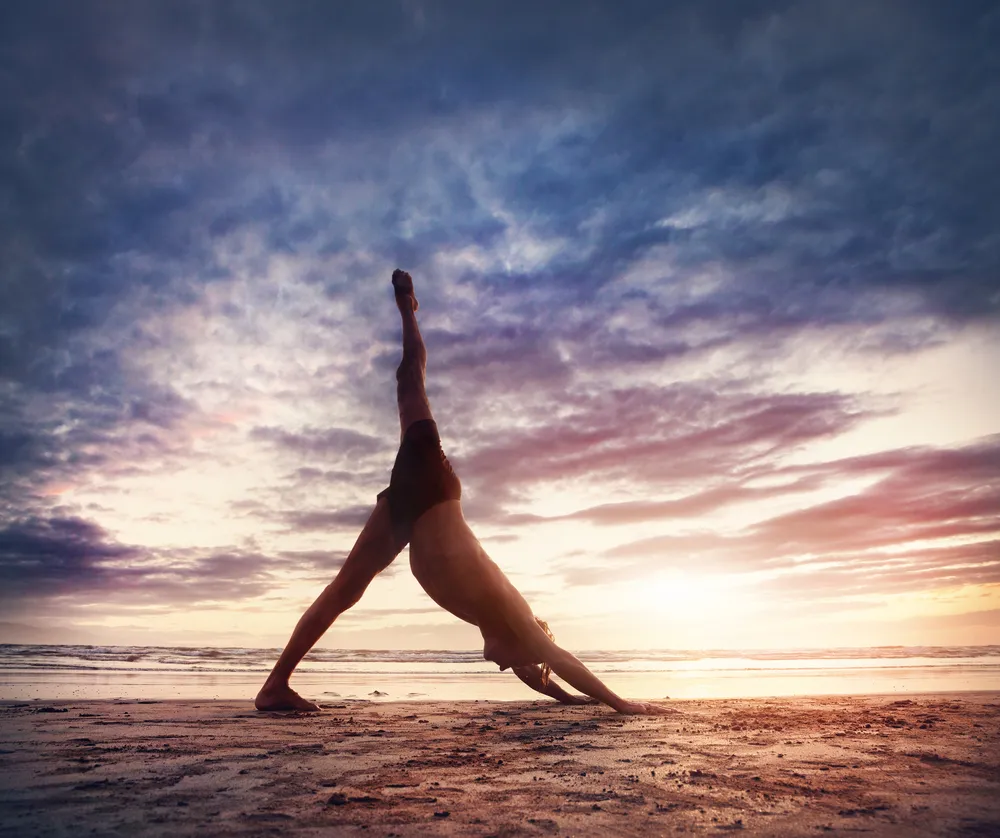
pixel 422 508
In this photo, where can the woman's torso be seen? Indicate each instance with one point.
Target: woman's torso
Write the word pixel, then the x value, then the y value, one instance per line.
pixel 451 566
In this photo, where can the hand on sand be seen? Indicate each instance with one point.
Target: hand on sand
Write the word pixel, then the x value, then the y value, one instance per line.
pixel 581 699
pixel 282 698
pixel 402 283
pixel 645 708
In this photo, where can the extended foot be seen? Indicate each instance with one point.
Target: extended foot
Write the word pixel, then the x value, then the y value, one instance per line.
pixel 282 698
pixel 402 284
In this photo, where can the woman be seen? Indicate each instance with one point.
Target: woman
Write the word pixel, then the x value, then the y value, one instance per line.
pixel 422 508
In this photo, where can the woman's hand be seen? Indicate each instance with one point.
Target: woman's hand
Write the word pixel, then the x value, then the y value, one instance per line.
pixel 644 708
pixel 579 699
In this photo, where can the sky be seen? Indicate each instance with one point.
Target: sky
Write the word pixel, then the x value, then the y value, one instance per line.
pixel 710 290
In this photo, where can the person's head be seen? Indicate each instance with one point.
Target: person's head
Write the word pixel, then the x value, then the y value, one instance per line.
pixel 506 650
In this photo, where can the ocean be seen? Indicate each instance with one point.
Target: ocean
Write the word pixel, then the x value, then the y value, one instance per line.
pixel 30 672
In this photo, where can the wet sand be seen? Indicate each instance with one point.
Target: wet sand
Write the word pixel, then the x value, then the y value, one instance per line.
pixel 921 765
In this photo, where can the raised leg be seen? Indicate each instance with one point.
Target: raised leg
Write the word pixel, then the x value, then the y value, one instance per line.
pixel 372 552
pixel 411 394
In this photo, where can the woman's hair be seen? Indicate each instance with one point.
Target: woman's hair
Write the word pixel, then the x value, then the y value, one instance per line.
pixel 546 669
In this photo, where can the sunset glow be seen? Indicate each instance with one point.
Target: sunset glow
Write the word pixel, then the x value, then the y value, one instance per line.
pixel 711 319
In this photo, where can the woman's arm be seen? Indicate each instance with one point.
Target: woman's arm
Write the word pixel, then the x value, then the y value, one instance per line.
pixel 568 667
pixel 532 676
pixel 514 610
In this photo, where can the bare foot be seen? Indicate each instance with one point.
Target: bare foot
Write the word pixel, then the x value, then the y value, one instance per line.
pixel 282 698
pixel 402 283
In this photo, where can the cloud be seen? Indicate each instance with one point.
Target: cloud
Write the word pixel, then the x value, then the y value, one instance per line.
pixel 656 438
pixel 51 441
pixel 350 519
pixel 331 444
pixel 56 556
pixel 930 519
pixel 688 507
pixel 71 560
pixel 927 494
pixel 840 576
pixel 622 218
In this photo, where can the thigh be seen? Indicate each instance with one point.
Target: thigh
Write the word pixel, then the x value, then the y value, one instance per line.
pixel 373 552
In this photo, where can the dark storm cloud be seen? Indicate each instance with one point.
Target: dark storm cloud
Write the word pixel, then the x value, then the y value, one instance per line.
pixel 73 557
pixel 56 556
pixel 876 127
pixel 693 97
pixel 828 140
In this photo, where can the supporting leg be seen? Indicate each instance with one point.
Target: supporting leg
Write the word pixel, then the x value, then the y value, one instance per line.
pixel 376 547
pixel 372 552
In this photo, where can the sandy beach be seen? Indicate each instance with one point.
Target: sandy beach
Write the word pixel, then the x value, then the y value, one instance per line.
pixel 884 765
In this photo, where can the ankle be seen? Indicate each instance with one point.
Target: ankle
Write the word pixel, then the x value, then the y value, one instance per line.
pixel 274 682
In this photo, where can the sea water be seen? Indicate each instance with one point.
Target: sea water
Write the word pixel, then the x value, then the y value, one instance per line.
pixel 329 675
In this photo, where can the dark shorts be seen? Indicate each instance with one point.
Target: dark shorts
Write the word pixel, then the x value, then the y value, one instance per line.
pixel 421 478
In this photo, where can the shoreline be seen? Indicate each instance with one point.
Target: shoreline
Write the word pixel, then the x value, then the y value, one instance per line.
pixel 27 685
pixel 919 764
pixel 383 699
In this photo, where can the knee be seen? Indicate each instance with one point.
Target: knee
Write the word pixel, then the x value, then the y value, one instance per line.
pixel 345 592
pixel 411 370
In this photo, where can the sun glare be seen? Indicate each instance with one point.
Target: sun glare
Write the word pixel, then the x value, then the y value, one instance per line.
pixel 687 596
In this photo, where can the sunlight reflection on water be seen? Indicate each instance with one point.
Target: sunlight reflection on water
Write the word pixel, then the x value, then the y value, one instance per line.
pixel 330 687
